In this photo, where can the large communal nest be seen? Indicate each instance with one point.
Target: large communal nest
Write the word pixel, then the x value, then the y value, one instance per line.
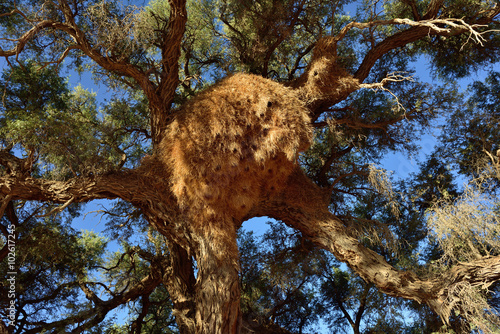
pixel 234 143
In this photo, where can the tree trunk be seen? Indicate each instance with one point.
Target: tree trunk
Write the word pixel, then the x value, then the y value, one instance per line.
pixel 210 302
pixel 181 288
pixel 217 286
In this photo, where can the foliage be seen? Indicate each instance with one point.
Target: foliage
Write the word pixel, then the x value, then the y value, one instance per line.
pixel 279 277
pixel 473 128
pixel 57 121
pixel 51 259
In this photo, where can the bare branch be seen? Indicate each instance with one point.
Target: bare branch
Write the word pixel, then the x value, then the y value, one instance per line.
pixel 57 209
pixel 391 77
pixel 15 11
pixel 61 57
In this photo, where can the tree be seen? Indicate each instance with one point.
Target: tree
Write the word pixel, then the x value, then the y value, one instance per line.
pixel 218 157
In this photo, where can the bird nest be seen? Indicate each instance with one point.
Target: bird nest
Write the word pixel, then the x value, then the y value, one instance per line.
pixel 234 143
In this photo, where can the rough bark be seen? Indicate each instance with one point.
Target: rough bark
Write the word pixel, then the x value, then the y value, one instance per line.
pixel 208 305
pixel 217 286
pixel 163 96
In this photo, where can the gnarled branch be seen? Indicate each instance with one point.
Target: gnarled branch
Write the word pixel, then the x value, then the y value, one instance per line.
pixel 304 206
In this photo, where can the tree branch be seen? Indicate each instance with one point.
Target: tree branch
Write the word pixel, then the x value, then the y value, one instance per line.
pixel 136 327
pixel 134 186
pixel 334 155
pixel 170 53
pixel 304 206
pixel 362 305
pixel 433 9
pixel 82 43
pixel 326 83
pixel 418 30
pixel 158 95
pixel 412 4
pixel 30 34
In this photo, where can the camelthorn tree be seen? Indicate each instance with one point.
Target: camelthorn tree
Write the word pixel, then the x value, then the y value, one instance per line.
pixel 228 110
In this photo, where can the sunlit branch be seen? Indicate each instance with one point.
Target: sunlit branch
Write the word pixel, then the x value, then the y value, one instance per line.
pixel 443 27
pixel 392 77
pixel 57 209
pixel 495 164
pixel 416 31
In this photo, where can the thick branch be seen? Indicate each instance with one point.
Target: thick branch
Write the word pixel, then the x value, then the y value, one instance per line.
pixel 30 34
pixel 171 51
pixel 81 189
pixel 134 186
pixel 304 206
pixel 418 30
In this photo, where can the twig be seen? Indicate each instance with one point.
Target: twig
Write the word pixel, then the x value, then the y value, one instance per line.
pixel 391 77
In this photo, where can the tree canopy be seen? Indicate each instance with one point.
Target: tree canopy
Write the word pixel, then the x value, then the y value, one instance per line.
pixel 216 112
